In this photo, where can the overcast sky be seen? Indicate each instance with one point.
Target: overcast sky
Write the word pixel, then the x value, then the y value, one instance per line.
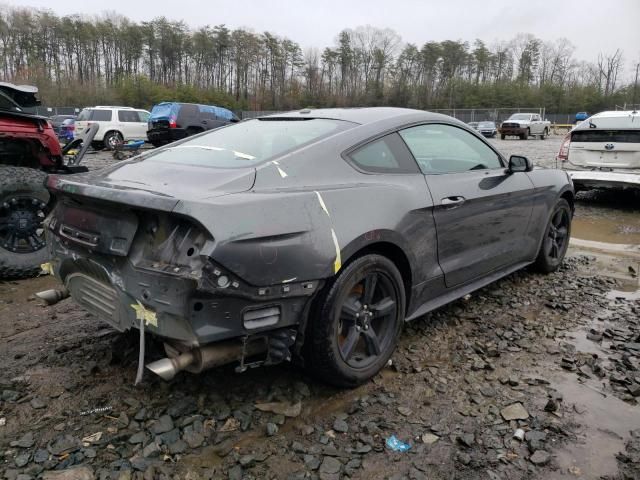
pixel 591 25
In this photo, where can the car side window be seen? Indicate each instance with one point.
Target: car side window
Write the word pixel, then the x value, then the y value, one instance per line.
pixel 384 155
pixel 440 149
pixel 144 116
pixel 536 118
pixel 101 115
pixel 128 116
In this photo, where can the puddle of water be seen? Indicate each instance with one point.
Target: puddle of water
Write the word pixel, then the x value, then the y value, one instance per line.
pixel 623 295
pixel 616 227
pixel 629 249
pixel 608 217
pixel 605 425
pixel 605 420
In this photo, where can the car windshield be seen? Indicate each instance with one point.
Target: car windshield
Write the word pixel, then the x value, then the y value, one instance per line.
pixel 486 124
pixel 249 143
pixel 520 116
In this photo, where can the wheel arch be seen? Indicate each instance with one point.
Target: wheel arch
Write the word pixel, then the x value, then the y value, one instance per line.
pixel 570 198
pixel 388 249
pixel 110 131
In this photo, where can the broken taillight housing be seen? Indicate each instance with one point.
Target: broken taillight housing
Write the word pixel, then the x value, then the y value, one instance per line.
pixel 563 154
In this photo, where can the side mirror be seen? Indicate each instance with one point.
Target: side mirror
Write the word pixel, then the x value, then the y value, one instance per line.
pixel 518 163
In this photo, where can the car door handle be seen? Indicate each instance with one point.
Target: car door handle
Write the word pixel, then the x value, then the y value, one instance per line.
pixel 452 201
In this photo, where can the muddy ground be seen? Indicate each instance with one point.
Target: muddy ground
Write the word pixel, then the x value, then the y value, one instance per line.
pixel 552 358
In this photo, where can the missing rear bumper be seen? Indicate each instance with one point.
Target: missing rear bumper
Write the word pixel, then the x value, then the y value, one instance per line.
pixel 598 179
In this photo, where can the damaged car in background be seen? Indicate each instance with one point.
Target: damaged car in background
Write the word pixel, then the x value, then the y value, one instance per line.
pixel 603 152
pixel 313 234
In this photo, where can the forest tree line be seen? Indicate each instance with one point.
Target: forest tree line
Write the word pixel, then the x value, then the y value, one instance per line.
pixel 79 60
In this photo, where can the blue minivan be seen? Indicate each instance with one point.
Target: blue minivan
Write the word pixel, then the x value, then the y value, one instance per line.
pixel 171 121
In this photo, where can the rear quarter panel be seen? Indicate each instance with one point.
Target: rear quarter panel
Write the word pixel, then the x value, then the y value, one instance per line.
pixel 270 237
pixel 285 226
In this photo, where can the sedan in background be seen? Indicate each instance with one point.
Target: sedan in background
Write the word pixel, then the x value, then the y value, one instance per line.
pixel 58 120
pixel 488 129
pixel 66 130
pixel 313 234
pixel 603 151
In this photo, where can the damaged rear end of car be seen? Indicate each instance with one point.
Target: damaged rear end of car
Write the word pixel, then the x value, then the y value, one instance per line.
pixel 139 265
pixel 167 243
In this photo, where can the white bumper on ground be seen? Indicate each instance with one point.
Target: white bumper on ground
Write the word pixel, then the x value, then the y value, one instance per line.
pixel 599 179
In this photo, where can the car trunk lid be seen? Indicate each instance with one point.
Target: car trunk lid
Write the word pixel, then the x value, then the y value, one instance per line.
pixel 154 185
pixel 605 149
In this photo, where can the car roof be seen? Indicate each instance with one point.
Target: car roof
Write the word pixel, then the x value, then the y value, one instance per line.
pixel 616 113
pixel 612 119
pixel 361 115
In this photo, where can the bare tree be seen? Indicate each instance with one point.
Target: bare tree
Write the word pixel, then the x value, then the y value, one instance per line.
pixel 609 67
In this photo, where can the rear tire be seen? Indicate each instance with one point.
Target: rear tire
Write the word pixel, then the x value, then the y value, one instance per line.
pixel 502 136
pixel 23 207
pixel 556 238
pixel 362 308
pixel 112 139
pixel 544 134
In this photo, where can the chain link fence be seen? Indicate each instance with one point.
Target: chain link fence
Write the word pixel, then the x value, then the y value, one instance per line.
pixel 463 114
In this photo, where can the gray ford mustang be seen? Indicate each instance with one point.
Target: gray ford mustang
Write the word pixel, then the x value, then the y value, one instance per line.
pixel 312 234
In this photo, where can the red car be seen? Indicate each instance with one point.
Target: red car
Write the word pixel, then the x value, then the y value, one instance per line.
pixel 29 149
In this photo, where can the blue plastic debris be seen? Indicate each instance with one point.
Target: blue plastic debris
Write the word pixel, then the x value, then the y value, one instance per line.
pixel 397 445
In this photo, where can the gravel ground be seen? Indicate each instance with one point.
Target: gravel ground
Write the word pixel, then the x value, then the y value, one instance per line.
pixel 553 359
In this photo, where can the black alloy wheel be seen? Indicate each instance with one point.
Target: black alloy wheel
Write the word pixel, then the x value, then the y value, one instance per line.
pixel 356 321
pixel 558 235
pixel 21 229
pixel 366 319
pixel 24 204
pixel 556 238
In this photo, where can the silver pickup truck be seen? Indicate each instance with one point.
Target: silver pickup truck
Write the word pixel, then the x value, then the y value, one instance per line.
pixel 524 125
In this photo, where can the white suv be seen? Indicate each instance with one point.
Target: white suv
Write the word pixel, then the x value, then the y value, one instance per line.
pixel 115 124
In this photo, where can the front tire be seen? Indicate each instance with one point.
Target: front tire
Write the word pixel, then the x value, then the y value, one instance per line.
pixel 502 136
pixel 23 208
pixel 556 238
pixel 544 134
pixel 356 322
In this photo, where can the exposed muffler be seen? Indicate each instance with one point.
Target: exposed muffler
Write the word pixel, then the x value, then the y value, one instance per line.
pixel 53 296
pixel 204 358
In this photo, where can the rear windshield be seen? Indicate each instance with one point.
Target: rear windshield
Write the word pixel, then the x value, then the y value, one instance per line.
pixel 606 136
pixel 8 104
pixel 249 143
pixel 165 110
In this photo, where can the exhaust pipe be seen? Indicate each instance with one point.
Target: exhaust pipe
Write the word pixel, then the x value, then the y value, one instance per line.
pixel 167 368
pixel 53 296
pixel 203 358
